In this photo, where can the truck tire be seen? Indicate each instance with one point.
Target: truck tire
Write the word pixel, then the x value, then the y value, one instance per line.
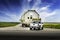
pixel 42 28
pixel 38 28
pixel 34 29
pixel 23 25
pixel 30 28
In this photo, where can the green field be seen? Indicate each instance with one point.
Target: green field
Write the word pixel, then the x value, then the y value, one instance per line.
pixel 46 24
pixel 8 24
pixel 52 25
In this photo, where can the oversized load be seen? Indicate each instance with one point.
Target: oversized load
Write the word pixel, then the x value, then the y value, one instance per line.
pixel 28 17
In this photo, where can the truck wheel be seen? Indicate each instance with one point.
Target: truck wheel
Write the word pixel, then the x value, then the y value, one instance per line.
pixel 23 25
pixel 38 28
pixel 34 28
pixel 30 28
pixel 42 28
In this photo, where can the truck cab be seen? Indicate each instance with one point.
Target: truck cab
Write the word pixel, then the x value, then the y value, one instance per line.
pixel 36 25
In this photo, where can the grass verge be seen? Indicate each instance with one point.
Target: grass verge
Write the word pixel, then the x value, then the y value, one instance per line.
pixel 8 24
pixel 52 25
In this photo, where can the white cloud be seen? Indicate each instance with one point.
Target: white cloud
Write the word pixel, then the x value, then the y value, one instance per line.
pixel 38 9
pixel 45 8
pixel 13 17
pixel 44 15
pixel 4 19
pixel 36 4
pixel 55 17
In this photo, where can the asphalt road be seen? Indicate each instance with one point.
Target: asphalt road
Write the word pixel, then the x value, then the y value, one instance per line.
pixel 18 30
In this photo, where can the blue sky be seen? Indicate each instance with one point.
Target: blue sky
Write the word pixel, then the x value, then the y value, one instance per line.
pixel 11 10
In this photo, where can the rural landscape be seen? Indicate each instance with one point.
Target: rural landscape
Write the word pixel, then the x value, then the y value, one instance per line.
pixel 25 16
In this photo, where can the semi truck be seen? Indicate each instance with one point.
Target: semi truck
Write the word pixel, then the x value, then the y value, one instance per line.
pixel 28 17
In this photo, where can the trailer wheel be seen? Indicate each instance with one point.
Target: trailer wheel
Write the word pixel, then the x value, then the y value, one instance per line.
pixel 23 25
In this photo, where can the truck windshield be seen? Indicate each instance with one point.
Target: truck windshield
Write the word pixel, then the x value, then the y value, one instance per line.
pixel 36 22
